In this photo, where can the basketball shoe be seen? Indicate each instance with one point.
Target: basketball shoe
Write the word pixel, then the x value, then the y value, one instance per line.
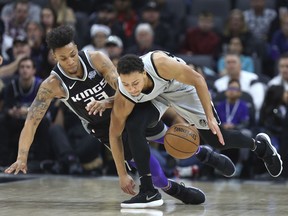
pixel 188 195
pixel 271 158
pixel 220 162
pixel 144 199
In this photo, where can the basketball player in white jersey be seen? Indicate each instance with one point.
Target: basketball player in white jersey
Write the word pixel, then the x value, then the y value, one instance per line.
pixel 85 81
pixel 168 82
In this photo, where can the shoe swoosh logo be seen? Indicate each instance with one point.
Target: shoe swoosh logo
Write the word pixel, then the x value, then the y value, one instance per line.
pixel 149 198
pixel 71 86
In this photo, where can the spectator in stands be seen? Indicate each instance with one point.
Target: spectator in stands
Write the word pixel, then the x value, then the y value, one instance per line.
pixel 151 14
pixel 282 77
pixel 39 49
pixel 201 40
pixel 279 44
pixel 9 11
pixel 128 18
pixel 234 114
pixel 248 81
pixel 17 24
pixel 99 34
pixel 273 113
pixel 65 14
pixel 236 27
pixel 76 152
pixel 144 36
pixel 48 19
pixel 258 19
pixel 236 45
pixel 18 96
pixel 114 48
pixel 19 50
pixel 107 15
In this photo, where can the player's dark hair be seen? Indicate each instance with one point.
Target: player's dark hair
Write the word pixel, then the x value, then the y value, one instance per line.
pixel 234 81
pixel 130 63
pixel 60 37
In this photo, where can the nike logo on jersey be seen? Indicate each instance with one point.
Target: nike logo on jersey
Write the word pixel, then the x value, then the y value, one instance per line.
pixel 149 198
pixel 71 86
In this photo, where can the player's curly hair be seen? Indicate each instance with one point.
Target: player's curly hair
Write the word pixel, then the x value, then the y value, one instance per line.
pixel 130 63
pixel 60 36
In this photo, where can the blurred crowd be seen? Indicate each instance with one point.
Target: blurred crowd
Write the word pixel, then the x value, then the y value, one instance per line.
pixel 239 46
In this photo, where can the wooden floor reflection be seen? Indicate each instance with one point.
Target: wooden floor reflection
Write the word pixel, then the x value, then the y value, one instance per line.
pixel 63 195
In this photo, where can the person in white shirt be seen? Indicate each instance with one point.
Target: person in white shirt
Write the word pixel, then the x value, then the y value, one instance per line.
pixel 282 77
pixel 247 80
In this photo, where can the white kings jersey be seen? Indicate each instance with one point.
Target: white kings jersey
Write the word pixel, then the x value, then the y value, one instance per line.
pixel 183 98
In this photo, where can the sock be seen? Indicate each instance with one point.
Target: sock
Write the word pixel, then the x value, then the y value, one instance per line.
pixel 201 153
pixel 158 177
pixel 171 189
pixel 146 183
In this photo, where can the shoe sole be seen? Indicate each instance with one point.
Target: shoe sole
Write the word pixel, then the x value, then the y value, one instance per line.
pixel 147 212
pixel 275 153
pixel 143 205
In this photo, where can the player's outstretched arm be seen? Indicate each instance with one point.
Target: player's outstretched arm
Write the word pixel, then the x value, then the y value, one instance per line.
pixel 169 68
pixel 35 114
pixel 120 111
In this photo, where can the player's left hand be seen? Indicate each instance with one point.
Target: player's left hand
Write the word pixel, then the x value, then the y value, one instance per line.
pixel 95 107
pixel 213 125
pixel 127 184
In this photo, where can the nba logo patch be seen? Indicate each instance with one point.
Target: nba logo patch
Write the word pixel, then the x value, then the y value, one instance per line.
pixel 203 122
pixel 91 74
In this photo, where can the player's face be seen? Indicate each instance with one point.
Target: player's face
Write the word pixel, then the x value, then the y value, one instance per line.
pixel 133 82
pixel 67 57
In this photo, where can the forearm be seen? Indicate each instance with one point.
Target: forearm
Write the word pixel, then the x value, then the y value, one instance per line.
pixel 118 154
pixel 8 70
pixel 25 141
pixel 204 96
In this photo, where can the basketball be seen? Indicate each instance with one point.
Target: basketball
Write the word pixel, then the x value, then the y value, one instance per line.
pixel 181 141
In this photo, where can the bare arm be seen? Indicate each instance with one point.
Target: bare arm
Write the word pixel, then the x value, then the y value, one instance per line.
pixel 121 110
pixel 104 65
pixel 49 89
pixel 170 69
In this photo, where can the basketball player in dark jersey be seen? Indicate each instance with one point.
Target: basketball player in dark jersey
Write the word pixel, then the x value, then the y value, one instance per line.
pixel 86 81
pixel 167 81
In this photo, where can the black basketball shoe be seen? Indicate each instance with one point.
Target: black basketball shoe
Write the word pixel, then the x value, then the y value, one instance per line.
pixel 144 200
pixel 271 158
pixel 220 162
pixel 188 195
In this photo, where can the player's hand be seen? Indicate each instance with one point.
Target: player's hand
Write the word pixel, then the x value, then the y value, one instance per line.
pixel 19 165
pixel 95 107
pixel 213 125
pixel 127 184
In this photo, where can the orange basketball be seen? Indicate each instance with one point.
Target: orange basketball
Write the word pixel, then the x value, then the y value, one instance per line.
pixel 181 140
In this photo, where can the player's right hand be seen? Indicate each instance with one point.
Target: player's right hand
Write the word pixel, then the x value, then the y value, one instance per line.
pixel 19 165
pixel 127 184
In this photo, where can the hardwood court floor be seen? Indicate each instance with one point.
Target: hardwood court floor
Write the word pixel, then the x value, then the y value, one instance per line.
pixel 68 196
